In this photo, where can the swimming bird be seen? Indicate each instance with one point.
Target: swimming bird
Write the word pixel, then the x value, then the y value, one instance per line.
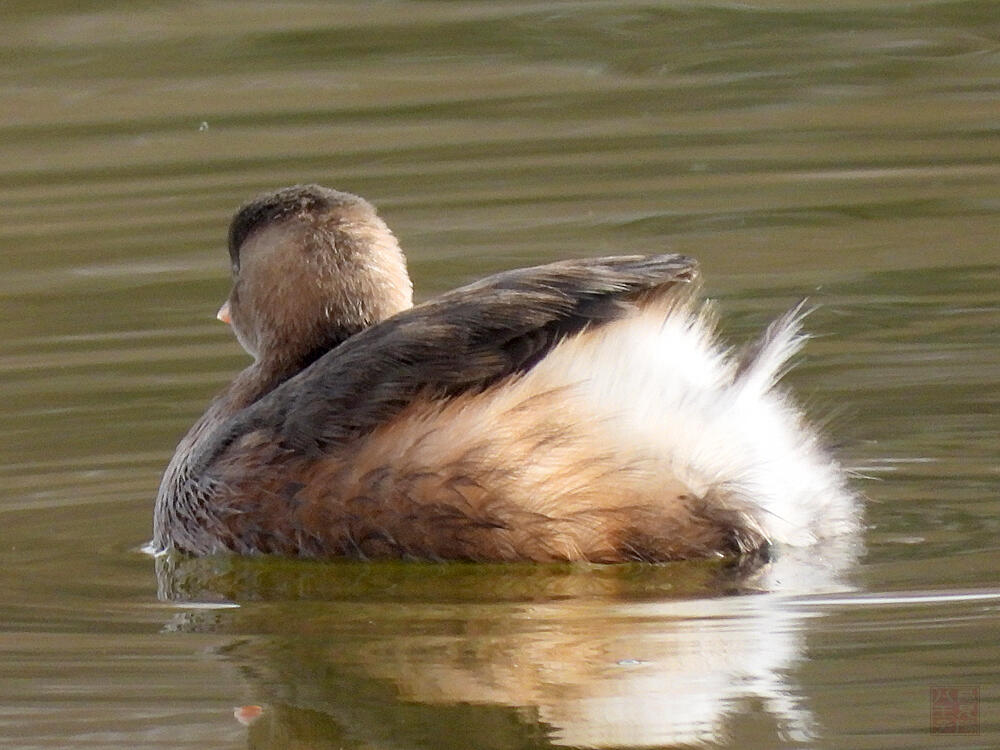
pixel 583 410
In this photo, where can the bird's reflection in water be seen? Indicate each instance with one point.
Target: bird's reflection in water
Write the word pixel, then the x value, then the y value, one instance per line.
pixel 438 656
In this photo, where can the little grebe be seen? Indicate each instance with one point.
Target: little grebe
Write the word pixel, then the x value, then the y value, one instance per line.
pixel 581 410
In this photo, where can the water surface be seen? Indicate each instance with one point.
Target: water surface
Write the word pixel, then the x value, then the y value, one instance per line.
pixel 844 152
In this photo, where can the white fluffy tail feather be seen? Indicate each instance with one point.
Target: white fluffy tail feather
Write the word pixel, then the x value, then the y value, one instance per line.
pixel 662 387
pixel 763 364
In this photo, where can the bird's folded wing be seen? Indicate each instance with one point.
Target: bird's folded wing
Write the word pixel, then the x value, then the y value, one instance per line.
pixel 464 340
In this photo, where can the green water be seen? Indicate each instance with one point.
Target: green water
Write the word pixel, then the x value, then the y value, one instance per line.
pixel 846 152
